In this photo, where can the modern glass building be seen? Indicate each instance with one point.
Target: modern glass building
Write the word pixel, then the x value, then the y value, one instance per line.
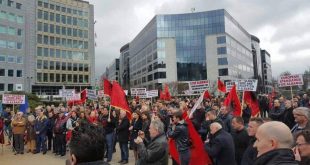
pixel 64 46
pixel 12 45
pixel 188 47
pixel 267 72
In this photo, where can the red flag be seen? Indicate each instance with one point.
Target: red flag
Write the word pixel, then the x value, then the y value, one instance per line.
pixel 118 99
pixel 161 95
pixel 221 86
pixel 271 96
pixel 232 102
pixel 83 95
pixel 198 154
pixel 207 95
pixel 167 93
pixel 251 100
pixel 107 87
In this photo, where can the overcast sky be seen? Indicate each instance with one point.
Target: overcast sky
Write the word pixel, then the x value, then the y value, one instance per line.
pixel 283 26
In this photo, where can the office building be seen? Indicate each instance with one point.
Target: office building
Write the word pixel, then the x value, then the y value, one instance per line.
pixel 267 72
pixel 13 34
pixel 124 77
pixel 189 47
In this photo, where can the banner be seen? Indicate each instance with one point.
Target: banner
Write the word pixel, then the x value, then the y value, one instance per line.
pixel 141 92
pixel 92 94
pixel 75 96
pixel 229 85
pixel 290 80
pixel 13 99
pixel 201 85
pixel 100 93
pixel 243 84
pixel 152 93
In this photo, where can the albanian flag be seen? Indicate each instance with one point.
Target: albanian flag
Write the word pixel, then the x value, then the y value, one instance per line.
pixel 221 86
pixel 118 99
pixel 251 100
pixel 107 87
pixel 232 102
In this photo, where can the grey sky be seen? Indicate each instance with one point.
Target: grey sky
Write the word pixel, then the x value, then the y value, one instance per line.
pixel 281 25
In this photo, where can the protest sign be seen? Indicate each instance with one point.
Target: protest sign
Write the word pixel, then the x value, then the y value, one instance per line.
pixel 140 92
pixel 229 85
pixel 100 93
pixel 290 80
pixel 246 84
pixel 13 99
pixel 201 85
pixel 92 94
pixel 152 93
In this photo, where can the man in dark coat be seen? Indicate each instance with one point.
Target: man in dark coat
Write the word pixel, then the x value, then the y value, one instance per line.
pixel 155 151
pixel 288 117
pixel 179 132
pixel 240 136
pixel 210 117
pixel 221 146
pixel 123 136
pixel 274 142
pixel 226 117
pixel 250 153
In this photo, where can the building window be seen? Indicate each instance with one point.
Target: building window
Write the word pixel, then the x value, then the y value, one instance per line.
pixel 52 7
pixel 11 31
pixel 52 40
pixel 75 78
pixel 85 67
pixel 63 9
pixel 52 17
pixel 45 15
pixel 45 77
pixel 45 64
pixel 63 78
pixel 20 19
pixel 69 20
pixel 3 29
pixel 57 29
pixel 11 45
pixel 19 45
pixel 52 65
pixel 221 40
pixel 39 64
pixel 45 52
pixel 10 87
pixel 57 53
pixel 10 3
pixel 69 66
pixel 3 44
pixel 45 27
pixel 19 32
pixel 223 72
pixel 57 65
pixel 63 19
pixel 10 72
pixel 63 66
pixel 40 3
pixel 2 58
pixel 221 50
pixel 75 67
pixel 18 6
pixel 52 52
pixel 150 77
pixel 58 18
pixel 80 78
pixel 63 30
pixel 39 51
pixel 19 73
pixel 11 59
pixel 3 15
pixel 39 77
pixel 12 17
pixel 69 77
pixel 2 72
pixel 52 78
pixel 52 27
pixel 19 60
pixel 57 41
pixel 81 67
pixel 45 5
pixel 222 61
pixel 57 8
pixel 86 79
pixel 1 87
pixel 45 40
pixel 39 39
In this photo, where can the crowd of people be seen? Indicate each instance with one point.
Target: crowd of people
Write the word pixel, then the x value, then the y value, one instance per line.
pixel 280 135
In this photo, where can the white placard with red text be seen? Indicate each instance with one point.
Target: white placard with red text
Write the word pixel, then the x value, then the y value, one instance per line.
pixel 201 85
pixel 13 99
pixel 290 80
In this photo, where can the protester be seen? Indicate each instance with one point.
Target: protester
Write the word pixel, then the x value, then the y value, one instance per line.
pixel 226 117
pixel 273 142
pixel 220 145
pixel 302 149
pixel 19 127
pixel 302 119
pixel 240 136
pixel 8 116
pixel 60 133
pixel 146 120
pixel 178 131
pixel 276 111
pixel 154 151
pixel 108 123
pixel 210 117
pixel 250 154
pixel 87 146
pixel 31 134
pixel 1 130
pixel 72 122
pixel 41 130
pixel 135 127
pixel 123 136
pixel 49 133
pixel 287 116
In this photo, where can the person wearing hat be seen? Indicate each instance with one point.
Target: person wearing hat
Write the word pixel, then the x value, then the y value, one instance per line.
pixel 41 130
pixel 19 127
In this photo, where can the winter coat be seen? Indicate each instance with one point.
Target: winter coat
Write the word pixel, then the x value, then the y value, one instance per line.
pixel 180 135
pixel 241 140
pixel 250 153
pixel 41 125
pixel 221 148
pixel 19 126
pixel 155 152
pixel 227 122
pixel 108 127
pixel 277 157
pixel 122 130
pixel 31 133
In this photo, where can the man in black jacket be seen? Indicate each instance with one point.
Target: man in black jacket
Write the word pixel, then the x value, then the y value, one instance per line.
pixel 241 137
pixel 179 132
pixel 154 151
pixel 123 136
pixel 250 153
pixel 288 117
pixel 273 142
pixel 221 146
pixel 226 117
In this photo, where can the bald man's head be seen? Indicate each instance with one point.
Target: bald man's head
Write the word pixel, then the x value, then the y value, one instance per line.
pixel 214 127
pixel 273 135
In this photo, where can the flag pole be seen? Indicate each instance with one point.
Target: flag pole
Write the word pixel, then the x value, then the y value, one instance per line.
pixel 292 92
pixel 242 100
